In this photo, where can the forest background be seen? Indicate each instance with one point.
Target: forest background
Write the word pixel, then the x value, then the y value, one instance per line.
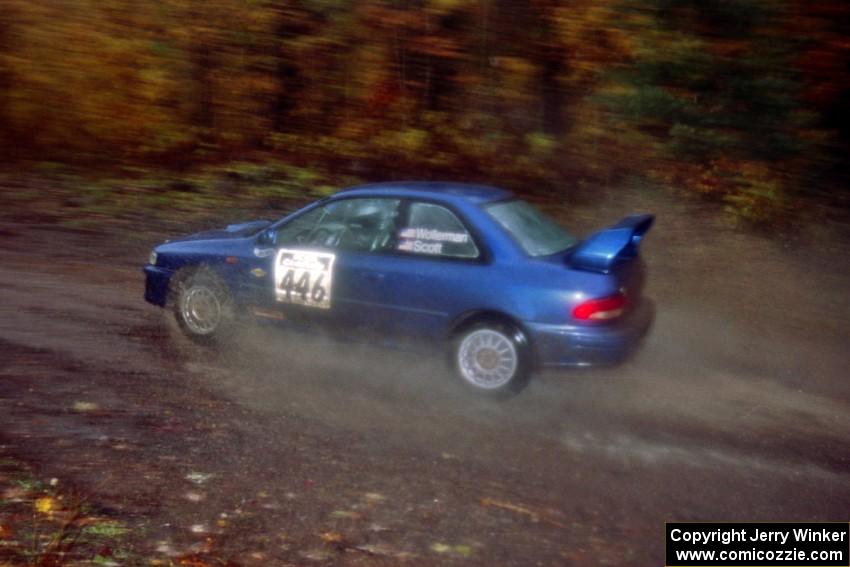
pixel 110 106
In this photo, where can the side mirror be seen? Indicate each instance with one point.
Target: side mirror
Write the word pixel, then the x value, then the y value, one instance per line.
pixel 267 238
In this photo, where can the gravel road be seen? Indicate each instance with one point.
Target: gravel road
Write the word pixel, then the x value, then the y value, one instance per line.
pixel 285 450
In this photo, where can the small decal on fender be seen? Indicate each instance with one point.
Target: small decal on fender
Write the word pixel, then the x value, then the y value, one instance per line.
pixel 263 252
pixel 258 272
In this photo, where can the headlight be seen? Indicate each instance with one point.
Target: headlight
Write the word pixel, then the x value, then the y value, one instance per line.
pixel 152 259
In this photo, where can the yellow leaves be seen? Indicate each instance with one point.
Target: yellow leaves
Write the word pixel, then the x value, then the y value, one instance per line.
pixel 611 88
pixel 594 36
pixel 332 537
pixel 45 505
pixel 346 515
pixel 758 195
pixel 85 407
pixel 539 144
pixel 459 550
pixel 445 5
pixel 193 562
pixel 438 46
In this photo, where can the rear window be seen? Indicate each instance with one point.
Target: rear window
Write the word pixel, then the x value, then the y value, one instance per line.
pixel 435 231
pixel 536 233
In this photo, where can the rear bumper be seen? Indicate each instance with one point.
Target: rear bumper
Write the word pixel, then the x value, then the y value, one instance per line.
pixel 156 285
pixel 575 345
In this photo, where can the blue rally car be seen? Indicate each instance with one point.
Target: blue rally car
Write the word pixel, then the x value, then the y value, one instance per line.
pixel 468 269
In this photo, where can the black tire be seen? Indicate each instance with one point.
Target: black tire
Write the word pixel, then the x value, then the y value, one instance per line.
pixel 203 306
pixel 491 359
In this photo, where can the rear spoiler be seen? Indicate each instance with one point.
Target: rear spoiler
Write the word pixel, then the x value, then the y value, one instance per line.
pixel 603 250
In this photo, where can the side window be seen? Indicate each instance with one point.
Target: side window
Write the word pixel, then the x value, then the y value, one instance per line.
pixel 361 225
pixel 433 230
pixel 297 229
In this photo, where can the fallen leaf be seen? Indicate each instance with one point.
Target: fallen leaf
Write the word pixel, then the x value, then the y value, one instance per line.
pixel 510 507
pixel 332 537
pixel 45 505
pixel 523 510
pixel 316 555
pixel 198 477
pixel 192 496
pixel 346 514
pixel 166 548
pixel 193 562
pixel 441 548
pixel 382 550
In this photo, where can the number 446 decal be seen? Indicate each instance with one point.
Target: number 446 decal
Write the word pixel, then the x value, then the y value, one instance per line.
pixel 304 277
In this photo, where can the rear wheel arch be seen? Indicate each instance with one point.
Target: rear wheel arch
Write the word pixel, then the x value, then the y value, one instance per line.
pixel 490 331
pixel 473 318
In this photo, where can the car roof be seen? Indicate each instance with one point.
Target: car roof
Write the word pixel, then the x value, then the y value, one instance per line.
pixel 437 190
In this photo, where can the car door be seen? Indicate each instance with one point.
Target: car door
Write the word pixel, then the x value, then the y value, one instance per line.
pixel 436 271
pixel 322 265
pixel 257 287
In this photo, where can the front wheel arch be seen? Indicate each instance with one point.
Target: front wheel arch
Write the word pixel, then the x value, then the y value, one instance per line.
pixel 203 279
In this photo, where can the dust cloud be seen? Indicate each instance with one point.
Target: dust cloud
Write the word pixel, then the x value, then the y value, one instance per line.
pixel 745 366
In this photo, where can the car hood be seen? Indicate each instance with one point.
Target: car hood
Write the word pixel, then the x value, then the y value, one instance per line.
pixel 238 230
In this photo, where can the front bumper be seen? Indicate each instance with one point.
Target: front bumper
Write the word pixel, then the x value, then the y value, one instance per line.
pixel 591 345
pixel 157 281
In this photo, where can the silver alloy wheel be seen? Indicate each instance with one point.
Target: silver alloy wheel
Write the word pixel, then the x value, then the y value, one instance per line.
pixel 201 309
pixel 487 359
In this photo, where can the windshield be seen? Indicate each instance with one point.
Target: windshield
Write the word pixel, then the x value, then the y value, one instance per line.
pixel 536 233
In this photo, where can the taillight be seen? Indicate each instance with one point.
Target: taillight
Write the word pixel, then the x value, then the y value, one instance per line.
pixel 601 309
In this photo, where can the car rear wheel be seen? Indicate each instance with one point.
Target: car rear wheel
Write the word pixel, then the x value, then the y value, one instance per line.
pixel 203 306
pixel 492 359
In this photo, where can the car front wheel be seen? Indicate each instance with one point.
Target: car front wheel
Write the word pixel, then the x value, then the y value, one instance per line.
pixel 492 359
pixel 203 306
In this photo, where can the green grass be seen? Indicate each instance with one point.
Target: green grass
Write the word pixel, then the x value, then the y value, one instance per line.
pixel 105 530
pixel 52 526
